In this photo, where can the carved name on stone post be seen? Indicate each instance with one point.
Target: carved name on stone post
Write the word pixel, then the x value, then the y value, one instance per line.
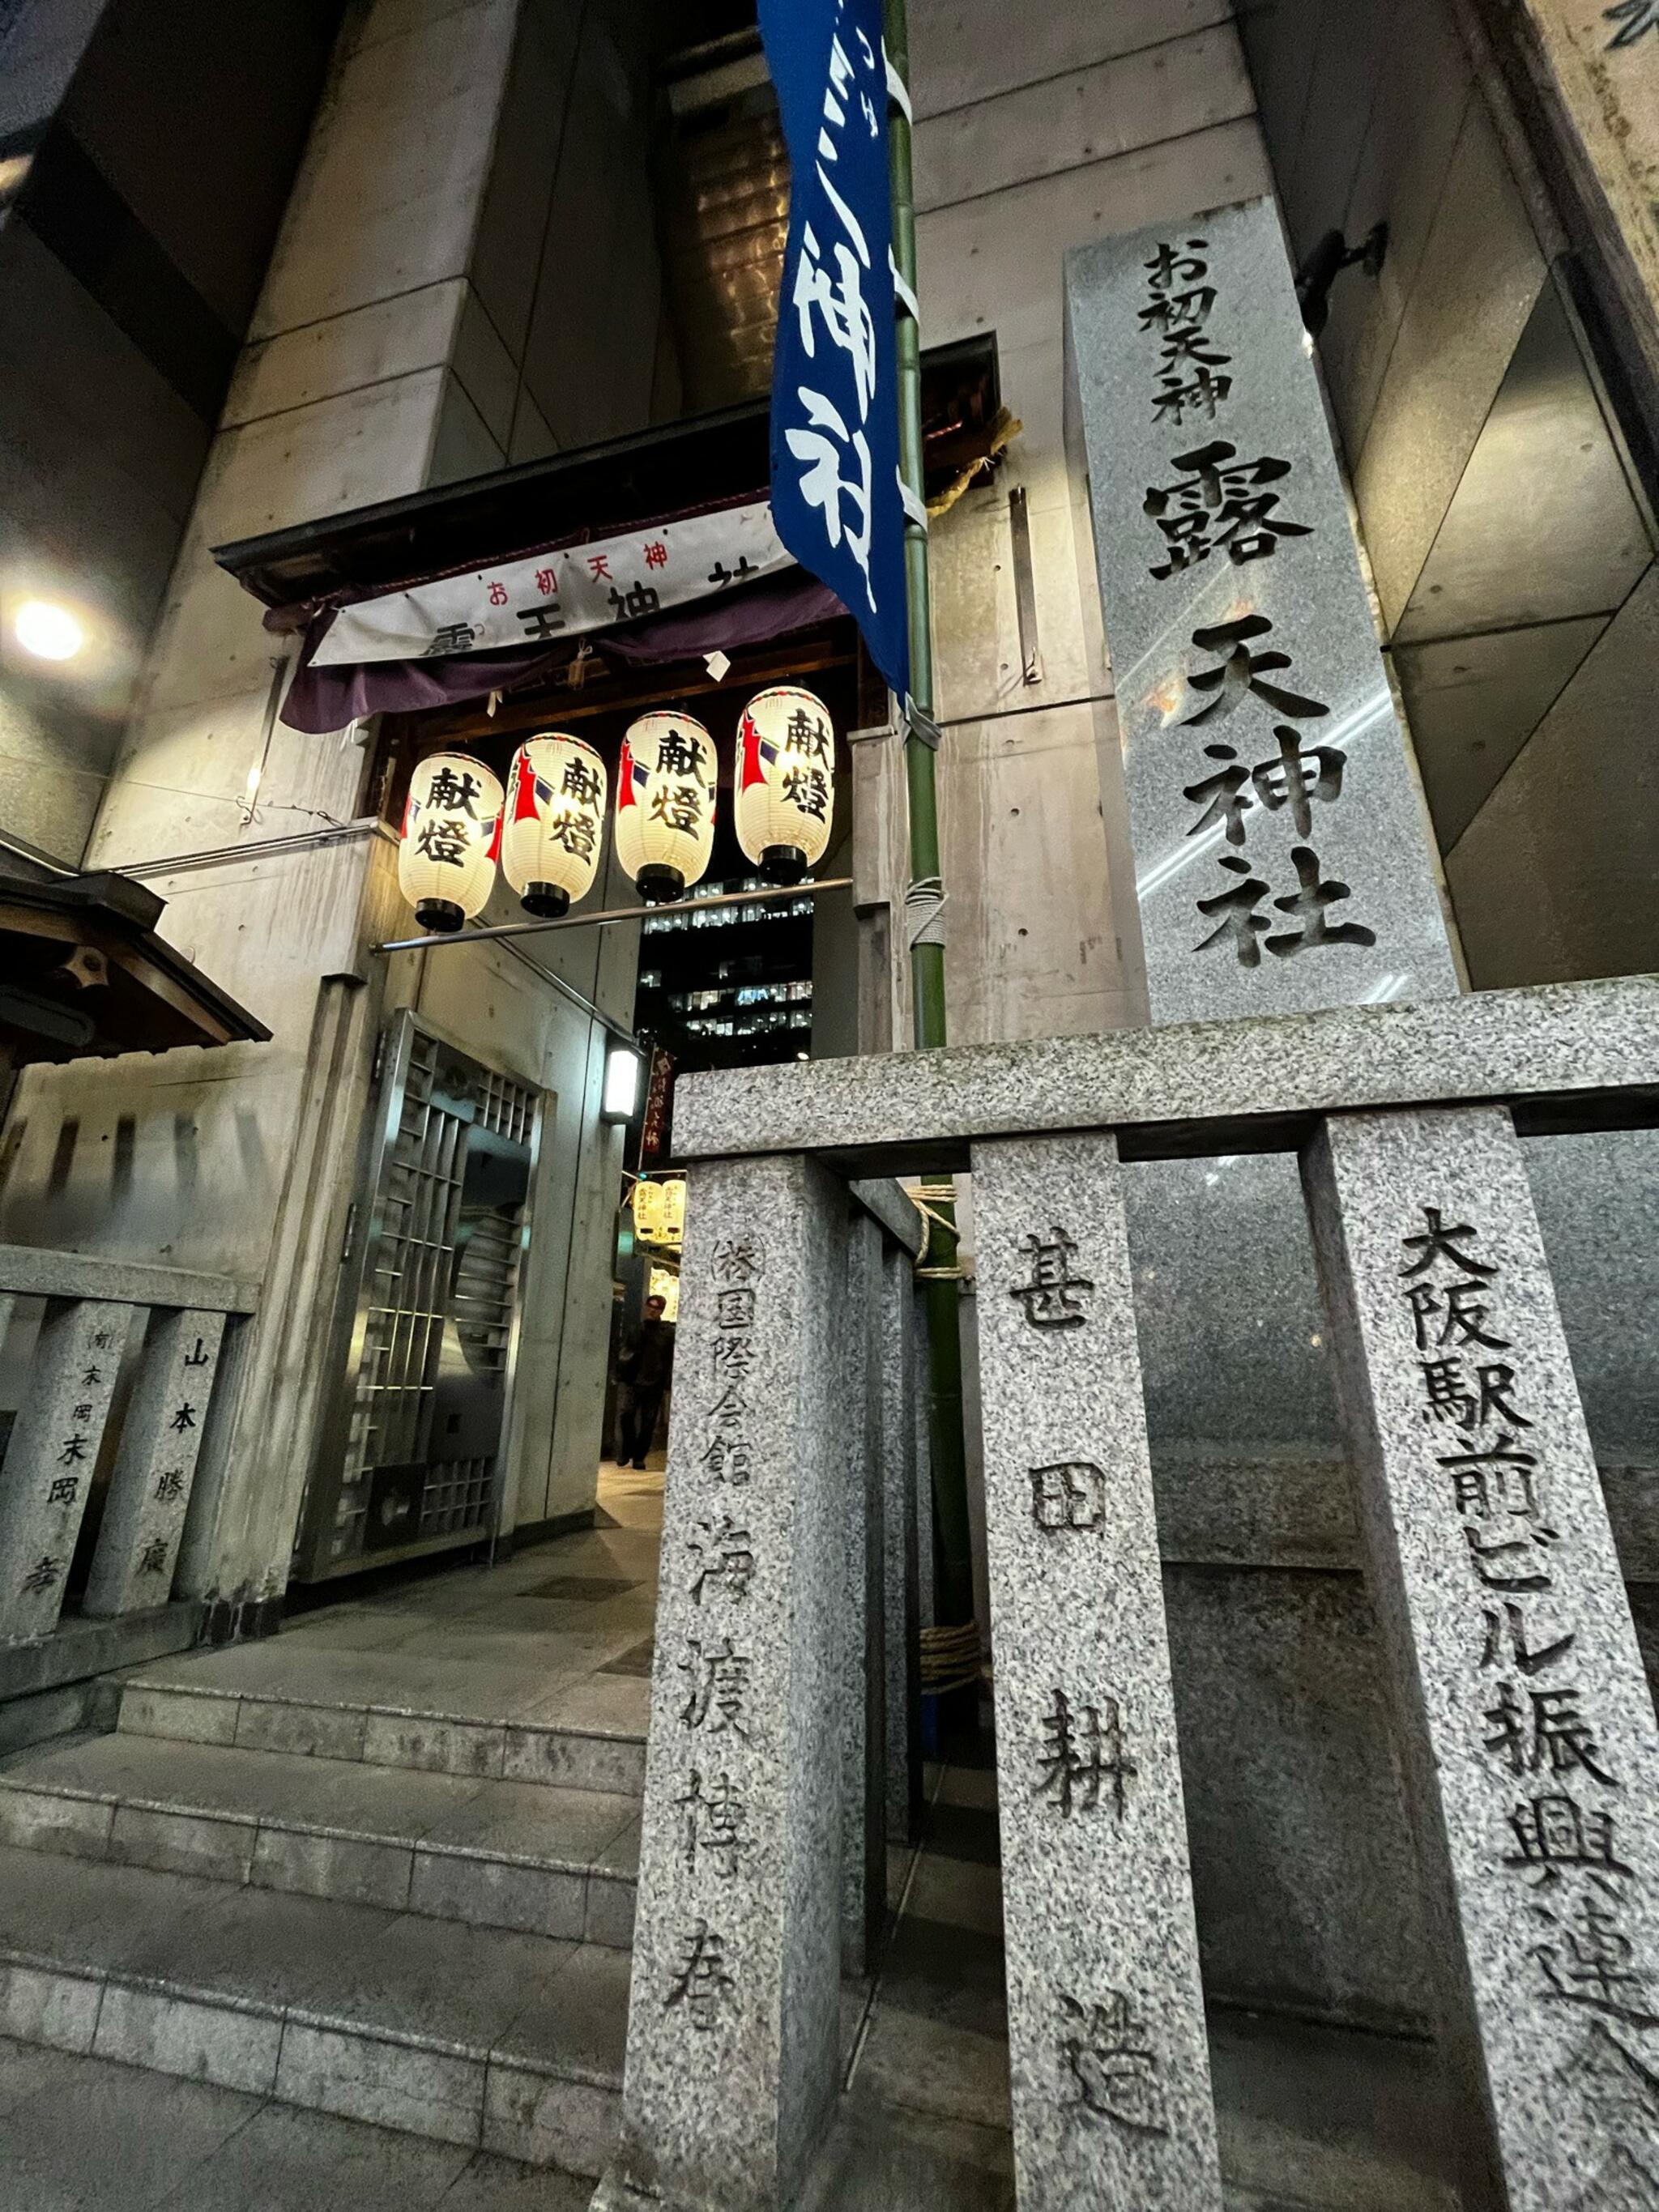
pixel 1526 1720
pixel 149 1491
pixel 50 1460
pixel 1108 2058
pixel 732 2027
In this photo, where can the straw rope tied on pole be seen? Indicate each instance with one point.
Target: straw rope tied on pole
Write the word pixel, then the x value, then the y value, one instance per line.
pixel 848 500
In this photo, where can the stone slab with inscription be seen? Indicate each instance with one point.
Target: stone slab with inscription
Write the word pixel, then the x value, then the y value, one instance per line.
pixel 51 1458
pixel 1525 1720
pixel 1107 2059
pixel 149 1489
pixel 1282 860
pixel 732 2023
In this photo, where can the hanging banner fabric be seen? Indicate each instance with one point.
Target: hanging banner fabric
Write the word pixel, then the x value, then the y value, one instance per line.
pixel 836 499
pixel 551 596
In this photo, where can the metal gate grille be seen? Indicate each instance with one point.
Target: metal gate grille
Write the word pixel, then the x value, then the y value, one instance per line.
pixel 408 1278
pixel 426 1269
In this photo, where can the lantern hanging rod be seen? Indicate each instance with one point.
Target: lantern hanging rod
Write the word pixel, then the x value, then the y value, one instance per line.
pixel 437 941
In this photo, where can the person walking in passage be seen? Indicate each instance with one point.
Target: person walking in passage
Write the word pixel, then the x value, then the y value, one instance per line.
pixel 643 1370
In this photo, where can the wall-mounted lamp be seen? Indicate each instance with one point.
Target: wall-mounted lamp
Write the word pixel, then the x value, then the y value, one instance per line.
pixel 623 1069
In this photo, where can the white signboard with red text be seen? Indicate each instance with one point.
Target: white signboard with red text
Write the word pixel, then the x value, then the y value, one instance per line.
pixel 551 596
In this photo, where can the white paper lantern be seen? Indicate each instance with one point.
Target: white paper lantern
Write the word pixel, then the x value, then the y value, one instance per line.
pixel 554 822
pixel 451 840
pixel 665 805
pixel 659 1211
pixel 648 1211
pixel 785 782
pixel 673 1210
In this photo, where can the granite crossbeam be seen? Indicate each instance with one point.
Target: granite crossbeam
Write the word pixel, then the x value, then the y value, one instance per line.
pixel 1568 1054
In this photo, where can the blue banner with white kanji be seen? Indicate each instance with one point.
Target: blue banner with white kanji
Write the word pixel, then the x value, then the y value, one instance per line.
pixel 836 499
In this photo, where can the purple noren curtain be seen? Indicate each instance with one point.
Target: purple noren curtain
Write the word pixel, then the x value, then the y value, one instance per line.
pixel 320 700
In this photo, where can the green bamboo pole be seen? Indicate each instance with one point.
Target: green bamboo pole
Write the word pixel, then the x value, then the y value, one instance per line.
pixel 955 1588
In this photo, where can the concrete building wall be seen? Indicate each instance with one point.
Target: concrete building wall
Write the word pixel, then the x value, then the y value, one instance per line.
pixel 1506 525
pixel 1037 132
pixel 376 368
pixel 137 208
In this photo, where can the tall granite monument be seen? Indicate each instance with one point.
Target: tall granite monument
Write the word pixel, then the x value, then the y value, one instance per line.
pixel 1282 862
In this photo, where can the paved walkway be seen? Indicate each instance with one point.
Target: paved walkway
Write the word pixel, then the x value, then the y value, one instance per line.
pixel 562 1634
pixel 81 2134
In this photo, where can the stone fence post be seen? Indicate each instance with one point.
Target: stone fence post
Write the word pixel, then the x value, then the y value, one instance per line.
pixel 155 1467
pixel 1525 1721
pixel 52 1457
pixel 1108 2056
pixel 733 2021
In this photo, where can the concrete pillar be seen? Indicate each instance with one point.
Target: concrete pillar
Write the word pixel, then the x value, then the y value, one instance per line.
pixel 862 1612
pixel 901 1587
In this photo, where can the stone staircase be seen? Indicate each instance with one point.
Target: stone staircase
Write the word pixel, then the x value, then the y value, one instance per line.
pixel 416 1918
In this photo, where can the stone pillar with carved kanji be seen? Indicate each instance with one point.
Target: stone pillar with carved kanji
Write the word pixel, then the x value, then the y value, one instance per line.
pixel 149 1489
pixel 1524 1716
pixel 1108 2058
pixel 733 2016
pixel 51 1458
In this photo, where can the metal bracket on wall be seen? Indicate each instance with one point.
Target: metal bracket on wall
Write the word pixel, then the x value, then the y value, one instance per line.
pixel 1019 531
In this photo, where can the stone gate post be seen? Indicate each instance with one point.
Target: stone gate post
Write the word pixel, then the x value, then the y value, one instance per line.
pixel 1525 1721
pixel 1108 2058
pixel 733 2019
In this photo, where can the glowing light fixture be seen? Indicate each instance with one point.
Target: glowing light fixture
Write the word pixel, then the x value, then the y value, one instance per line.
pixel 622 1083
pixel 48 631
pixel 659 1211
pixel 648 1210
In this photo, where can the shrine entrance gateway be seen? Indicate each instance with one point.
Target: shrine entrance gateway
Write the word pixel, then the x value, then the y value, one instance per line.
pixel 1524 1726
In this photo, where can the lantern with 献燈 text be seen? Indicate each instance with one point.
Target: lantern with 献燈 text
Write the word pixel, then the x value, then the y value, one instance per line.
pixel 665 805
pixel 554 822
pixel 451 840
pixel 784 782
